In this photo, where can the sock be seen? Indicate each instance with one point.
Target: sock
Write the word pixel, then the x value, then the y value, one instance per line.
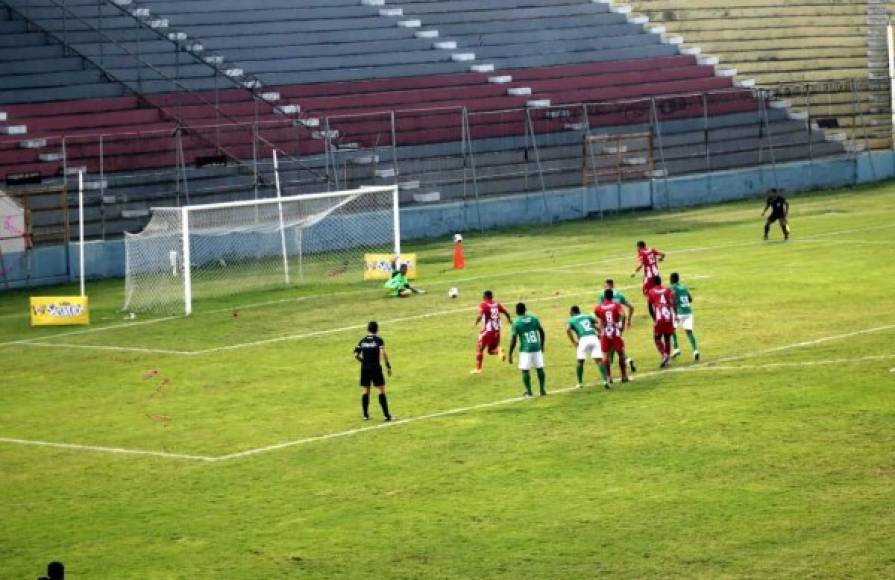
pixel 579 372
pixel 784 229
pixel 767 229
pixel 623 366
pixel 607 371
pixel 602 371
pixel 660 346
pixel 542 379
pixel 526 381
pixel 479 357
pixel 365 404
pixel 667 344
pixel 383 402
pixel 692 338
pixel 674 341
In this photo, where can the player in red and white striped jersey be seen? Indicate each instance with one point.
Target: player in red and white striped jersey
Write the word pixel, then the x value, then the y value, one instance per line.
pixel 661 301
pixel 489 338
pixel 648 259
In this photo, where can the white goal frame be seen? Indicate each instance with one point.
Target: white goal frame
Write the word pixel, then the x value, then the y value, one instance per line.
pixel 185 213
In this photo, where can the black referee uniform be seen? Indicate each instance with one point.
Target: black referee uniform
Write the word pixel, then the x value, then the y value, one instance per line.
pixel 779 211
pixel 369 351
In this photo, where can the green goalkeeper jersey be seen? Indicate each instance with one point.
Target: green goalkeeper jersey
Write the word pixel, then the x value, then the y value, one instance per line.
pixel 526 328
pixel 582 325
pixel 396 283
pixel 682 299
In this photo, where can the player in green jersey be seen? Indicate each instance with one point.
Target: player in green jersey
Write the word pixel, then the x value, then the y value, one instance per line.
pixel 528 330
pixel 581 330
pixel 683 307
pixel 397 285
pixel 620 299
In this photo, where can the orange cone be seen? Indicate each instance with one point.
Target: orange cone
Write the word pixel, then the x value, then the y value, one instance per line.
pixel 459 262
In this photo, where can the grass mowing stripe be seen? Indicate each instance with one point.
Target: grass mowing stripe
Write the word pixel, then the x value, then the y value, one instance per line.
pixel 436 283
pixel 639 377
pixel 705 366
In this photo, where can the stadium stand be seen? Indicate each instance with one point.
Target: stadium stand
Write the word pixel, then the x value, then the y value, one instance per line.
pixel 177 102
pixel 806 49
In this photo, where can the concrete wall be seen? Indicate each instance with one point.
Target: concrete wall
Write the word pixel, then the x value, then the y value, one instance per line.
pixel 58 264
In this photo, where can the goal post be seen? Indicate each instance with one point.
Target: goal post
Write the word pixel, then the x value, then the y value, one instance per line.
pixel 195 252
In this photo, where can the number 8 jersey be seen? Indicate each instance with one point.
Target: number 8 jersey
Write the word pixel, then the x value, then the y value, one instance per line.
pixel 610 314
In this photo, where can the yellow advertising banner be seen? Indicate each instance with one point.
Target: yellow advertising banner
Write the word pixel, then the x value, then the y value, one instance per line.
pixel 59 310
pixel 379 266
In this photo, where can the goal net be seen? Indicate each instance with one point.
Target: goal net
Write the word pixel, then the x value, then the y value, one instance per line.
pixel 205 251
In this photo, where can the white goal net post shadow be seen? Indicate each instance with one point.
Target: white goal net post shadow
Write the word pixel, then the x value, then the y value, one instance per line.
pixel 221 249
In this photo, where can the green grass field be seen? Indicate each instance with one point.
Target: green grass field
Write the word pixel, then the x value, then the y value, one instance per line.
pixel 772 457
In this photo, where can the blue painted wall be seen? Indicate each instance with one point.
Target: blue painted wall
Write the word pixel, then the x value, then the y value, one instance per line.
pixel 58 264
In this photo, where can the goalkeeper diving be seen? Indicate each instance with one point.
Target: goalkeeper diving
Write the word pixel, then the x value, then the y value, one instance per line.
pixel 398 286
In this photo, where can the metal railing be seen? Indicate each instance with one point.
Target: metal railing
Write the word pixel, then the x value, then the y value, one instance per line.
pixel 183 93
pixel 461 154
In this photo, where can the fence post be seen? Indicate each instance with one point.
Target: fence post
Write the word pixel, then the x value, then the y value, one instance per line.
pixel 64 29
pixel 255 156
pixel 765 120
pixel 328 152
pixel 471 153
pixel 534 141
pixel 586 149
pixel 395 166
pixel 99 27
pixel 657 131
pixel 810 120
pixel 102 186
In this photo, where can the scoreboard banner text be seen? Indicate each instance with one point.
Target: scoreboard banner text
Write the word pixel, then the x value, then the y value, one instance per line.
pixel 59 310
pixel 379 266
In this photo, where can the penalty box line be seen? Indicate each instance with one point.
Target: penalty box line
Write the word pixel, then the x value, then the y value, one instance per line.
pixel 437 283
pixel 704 366
pixel 295 337
pixel 640 376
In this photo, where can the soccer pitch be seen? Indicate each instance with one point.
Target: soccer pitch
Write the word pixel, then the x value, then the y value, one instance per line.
pixel 229 443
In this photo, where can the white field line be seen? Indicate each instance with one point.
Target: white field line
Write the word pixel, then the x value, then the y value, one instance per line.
pixel 697 249
pixel 814 342
pixel 102 449
pixel 627 257
pixel 89 330
pixel 306 335
pixel 802 364
pixel 640 376
pixel 850 242
pixel 438 313
pixel 66 345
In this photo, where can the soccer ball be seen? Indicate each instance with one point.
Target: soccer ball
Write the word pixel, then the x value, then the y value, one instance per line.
pixel 453 292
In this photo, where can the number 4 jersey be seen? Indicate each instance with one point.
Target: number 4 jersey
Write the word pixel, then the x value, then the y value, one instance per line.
pixel 662 301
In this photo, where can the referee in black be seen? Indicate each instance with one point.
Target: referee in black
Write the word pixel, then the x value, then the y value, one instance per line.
pixel 369 351
pixel 779 211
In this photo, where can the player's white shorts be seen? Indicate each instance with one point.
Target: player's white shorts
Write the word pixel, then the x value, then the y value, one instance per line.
pixel 531 359
pixel 589 345
pixel 684 321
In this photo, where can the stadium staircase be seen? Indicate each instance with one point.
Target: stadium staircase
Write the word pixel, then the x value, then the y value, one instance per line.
pixel 367 92
pixel 819 44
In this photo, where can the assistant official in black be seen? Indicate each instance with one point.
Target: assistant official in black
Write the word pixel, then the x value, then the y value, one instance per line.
pixel 369 351
pixel 779 211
